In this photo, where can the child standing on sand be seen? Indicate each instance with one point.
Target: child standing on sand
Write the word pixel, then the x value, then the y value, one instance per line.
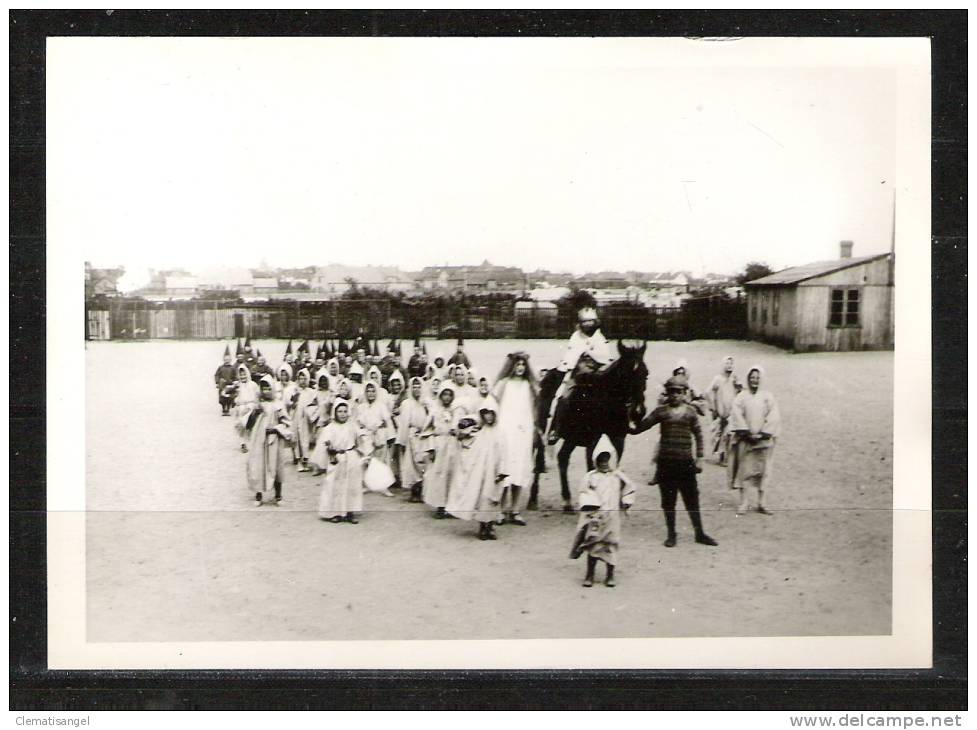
pixel 476 482
pixel 269 431
pixel 606 493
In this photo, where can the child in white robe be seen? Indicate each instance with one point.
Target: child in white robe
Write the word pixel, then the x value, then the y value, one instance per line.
pixel 285 386
pixel 516 393
pixel 269 431
pixel 245 401
pixel 441 449
pixel 412 439
pixel 303 418
pixel 477 477
pixel 373 417
pixel 606 493
pixel 754 425
pixel 349 454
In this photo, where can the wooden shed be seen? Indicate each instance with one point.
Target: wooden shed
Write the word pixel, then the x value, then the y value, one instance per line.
pixel 844 304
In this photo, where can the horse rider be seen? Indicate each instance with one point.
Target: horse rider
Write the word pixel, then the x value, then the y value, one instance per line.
pixel 588 349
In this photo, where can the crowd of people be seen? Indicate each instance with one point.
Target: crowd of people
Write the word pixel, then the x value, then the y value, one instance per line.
pixel 462 443
pixel 365 422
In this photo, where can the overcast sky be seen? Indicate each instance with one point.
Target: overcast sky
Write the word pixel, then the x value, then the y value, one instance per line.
pixel 574 155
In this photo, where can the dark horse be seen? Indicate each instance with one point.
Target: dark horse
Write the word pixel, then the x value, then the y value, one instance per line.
pixel 607 401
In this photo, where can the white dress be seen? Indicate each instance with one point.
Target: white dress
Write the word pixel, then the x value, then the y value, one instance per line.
pixel 517 425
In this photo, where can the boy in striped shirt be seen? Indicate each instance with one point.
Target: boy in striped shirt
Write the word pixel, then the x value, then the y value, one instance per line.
pixel 678 464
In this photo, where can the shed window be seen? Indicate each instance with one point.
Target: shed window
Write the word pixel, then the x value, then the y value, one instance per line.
pixel 775 309
pixel 763 308
pixel 845 306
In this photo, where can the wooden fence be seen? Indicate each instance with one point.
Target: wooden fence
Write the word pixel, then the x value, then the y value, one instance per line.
pixel 118 319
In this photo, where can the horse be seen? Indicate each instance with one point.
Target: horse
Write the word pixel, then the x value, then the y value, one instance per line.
pixel 608 401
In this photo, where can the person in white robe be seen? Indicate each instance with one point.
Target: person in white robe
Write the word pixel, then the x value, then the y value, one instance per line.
pixel 355 379
pixel 269 432
pixel 319 458
pixel 375 376
pixel 373 417
pixel 606 493
pixel 398 393
pixel 587 348
pixel 465 396
pixel 516 391
pixel 754 425
pixel 441 449
pixel 304 416
pixel 332 370
pixel 324 399
pixel 245 401
pixel 349 454
pixel 722 390
pixel 438 368
pixel 395 386
pixel 478 473
pixel 412 439
pixel 484 388
pixel 284 386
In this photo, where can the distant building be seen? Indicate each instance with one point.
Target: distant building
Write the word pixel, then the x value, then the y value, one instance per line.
pixel 336 280
pixel 548 293
pixel 670 282
pixel 238 279
pixel 544 277
pixel 264 285
pixel 603 280
pixel 180 287
pixel 843 304
pixel 102 282
pixel 482 278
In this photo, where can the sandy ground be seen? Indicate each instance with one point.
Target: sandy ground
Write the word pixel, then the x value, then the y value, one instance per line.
pixel 176 551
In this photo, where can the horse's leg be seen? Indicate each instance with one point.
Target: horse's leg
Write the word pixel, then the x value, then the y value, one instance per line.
pixel 589 455
pixel 563 459
pixel 539 455
pixel 618 443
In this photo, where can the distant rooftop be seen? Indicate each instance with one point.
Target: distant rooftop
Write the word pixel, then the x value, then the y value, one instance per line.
pixel 797 274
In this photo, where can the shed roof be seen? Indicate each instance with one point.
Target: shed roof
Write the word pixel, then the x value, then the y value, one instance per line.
pixel 797 274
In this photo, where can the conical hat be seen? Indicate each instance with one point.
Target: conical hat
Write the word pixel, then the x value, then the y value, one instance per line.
pixel 288 350
pixel 227 350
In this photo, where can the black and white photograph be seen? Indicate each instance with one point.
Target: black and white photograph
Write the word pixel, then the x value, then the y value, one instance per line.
pixel 500 342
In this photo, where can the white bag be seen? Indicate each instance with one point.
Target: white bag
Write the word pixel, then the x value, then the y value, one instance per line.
pixel 378 477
